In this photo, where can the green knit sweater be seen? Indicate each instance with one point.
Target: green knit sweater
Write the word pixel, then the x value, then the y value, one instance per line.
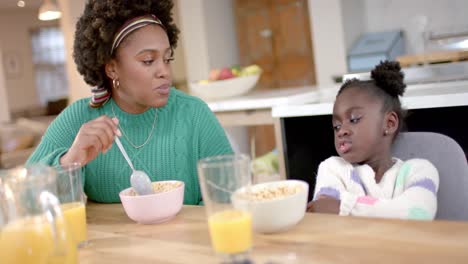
pixel 186 130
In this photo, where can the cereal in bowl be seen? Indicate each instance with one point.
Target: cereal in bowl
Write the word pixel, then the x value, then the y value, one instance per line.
pixel 272 192
pixel 160 187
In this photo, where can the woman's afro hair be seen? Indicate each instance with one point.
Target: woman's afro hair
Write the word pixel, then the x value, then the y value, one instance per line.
pixel 97 26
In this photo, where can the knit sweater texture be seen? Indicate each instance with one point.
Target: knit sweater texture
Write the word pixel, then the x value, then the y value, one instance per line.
pixel 185 131
pixel 408 190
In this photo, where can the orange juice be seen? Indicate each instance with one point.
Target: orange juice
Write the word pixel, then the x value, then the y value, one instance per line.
pixel 231 231
pixel 75 215
pixel 30 240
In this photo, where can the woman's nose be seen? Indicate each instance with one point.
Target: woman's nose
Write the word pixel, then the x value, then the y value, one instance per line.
pixel 163 71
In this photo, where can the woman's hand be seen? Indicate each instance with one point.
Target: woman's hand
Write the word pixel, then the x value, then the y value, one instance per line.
pixel 324 204
pixel 93 137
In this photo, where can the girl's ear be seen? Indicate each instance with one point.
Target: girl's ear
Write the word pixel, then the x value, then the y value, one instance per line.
pixel 111 69
pixel 391 123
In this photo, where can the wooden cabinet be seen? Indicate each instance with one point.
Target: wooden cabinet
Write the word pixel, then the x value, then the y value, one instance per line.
pixel 275 34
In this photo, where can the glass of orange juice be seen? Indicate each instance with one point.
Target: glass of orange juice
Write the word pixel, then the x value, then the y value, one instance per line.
pixel 73 200
pixel 32 226
pixel 230 228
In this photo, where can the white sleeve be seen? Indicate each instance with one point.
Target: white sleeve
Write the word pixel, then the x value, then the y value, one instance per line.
pixel 331 182
pixel 419 181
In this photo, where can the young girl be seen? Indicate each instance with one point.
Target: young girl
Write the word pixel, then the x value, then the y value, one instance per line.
pixel 365 180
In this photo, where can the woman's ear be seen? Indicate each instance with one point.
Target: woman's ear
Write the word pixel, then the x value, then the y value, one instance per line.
pixel 391 123
pixel 111 70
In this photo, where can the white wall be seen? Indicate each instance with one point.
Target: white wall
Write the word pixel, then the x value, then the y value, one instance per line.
pixel 178 66
pixel 193 36
pixel 328 40
pixel 354 20
pixel 208 34
pixel 15 31
pixel 384 15
pixel 221 32
pixel 4 109
pixel 71 11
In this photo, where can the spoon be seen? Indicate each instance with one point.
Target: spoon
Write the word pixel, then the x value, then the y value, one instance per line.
pixel 139 180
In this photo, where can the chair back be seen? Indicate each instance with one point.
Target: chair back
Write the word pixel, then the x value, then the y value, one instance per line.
pixel 451 162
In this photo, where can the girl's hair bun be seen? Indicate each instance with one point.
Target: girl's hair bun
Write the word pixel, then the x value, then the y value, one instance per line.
pixel 388 76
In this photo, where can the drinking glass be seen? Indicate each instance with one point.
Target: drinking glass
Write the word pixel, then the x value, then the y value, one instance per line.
pixel 72 200
pixel 32 226
pixel 230 228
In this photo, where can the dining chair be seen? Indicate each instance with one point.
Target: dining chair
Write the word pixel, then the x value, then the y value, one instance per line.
pixel 451 162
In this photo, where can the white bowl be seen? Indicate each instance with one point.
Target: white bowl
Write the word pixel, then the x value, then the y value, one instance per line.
pixel 274 214
pixel 153 208
pixel 224 88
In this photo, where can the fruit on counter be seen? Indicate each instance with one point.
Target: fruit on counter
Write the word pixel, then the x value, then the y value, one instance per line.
pixel 231 72
pixel 225 73
pixel 250 70
pixel 236 70
pixel 214 75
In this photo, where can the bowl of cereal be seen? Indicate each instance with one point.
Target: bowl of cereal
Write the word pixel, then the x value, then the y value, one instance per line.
pixel 276 206
pixel 161 206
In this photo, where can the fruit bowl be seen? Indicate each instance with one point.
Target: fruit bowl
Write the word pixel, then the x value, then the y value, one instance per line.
pixel 226 82
pixel 224 88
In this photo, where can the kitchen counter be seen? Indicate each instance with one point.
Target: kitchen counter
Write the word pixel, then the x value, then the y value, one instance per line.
pixel 254 109
pixel 419 96
pixel 266 99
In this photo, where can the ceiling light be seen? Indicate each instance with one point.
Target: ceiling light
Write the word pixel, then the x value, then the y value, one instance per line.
pixel 49 10
pixel 21 3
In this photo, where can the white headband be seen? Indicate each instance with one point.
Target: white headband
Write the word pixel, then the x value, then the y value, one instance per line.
pixel 132 25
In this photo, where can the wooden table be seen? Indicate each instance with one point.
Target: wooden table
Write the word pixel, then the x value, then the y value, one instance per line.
pixel 318 238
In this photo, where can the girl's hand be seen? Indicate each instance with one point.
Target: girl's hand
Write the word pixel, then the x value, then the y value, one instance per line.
pixel 324 204
pixel 94 137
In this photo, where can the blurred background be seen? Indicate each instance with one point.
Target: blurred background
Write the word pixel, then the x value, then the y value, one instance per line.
pixel 296 43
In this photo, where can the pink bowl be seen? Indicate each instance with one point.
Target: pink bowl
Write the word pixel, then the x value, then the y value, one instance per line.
pixel 153 208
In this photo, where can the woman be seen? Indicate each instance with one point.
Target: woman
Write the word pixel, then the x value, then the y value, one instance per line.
pixel 124 49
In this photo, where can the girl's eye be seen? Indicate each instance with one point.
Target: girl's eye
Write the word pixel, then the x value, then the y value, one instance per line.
pixel 336 127
pixel 148 62
pixel 354 120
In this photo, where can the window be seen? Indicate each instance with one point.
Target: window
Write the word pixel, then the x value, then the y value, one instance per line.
pixel 48 50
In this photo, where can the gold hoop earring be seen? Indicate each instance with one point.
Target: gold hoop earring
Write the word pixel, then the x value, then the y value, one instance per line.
pixel 115 84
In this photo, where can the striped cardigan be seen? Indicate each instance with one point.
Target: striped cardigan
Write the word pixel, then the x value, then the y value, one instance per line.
pixel 408 190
